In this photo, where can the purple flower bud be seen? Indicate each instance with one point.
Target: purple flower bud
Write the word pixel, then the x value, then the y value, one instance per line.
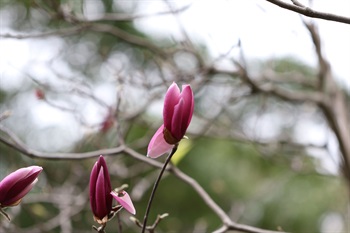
pixel 177 115
pixel 100 189
pixel 17 184
pixel 124 200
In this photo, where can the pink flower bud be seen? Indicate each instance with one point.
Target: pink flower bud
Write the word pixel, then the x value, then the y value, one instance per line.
pixel 177 115
pixel 17 184
pixel 100 188
pixel 124 200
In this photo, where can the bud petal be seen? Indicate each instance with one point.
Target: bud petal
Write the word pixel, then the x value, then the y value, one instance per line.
pixel 100 188
pixel 17 184
pixel 124 200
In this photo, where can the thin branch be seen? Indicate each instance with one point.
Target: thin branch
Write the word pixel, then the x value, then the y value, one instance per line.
pixel 144 225
pixel 150 229
pixel 324 73
pixel 205 196
pixel 292 77
pixel 97 27
pixel 5 115
pixel 335 109
pixel 269 88
pixel 301 9
pixel 127 37
pixel 15 143
pixel 60 32
pixel 295 96
pixel 69 208
pixel 128 17
pixel 3 213
pixel 230 225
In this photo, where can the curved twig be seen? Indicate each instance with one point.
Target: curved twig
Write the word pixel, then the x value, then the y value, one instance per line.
pixel 301 9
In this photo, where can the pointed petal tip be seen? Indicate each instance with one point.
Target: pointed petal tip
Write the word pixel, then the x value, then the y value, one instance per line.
pixel 124 200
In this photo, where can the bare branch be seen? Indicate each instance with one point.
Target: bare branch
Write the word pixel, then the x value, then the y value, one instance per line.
pixel 60 32
pixel 295 96
pixel 230 225
pixel 301 9
pixel 129 17
pixel 289 77
pixel 5 115
pixel 105 28
pixel 335 108
pixel 18 145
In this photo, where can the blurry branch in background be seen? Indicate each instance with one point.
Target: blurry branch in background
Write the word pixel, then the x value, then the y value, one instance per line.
pixel 5 115
pixel 59 32
pixel 328 97
pixel 14 142
pixel 270 89
pixel 152 228
pixel 291 78
pixel 116 17
pixel 84 25
pixel 75 88
pixel 228 224
pixel 69 205
pixel 127 37
pixel 304 10
pixel 335 108
pixel 97 27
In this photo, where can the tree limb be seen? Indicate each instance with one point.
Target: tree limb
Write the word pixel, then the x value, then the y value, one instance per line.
pixel 335 108
pixel 15 143
pixel 301 9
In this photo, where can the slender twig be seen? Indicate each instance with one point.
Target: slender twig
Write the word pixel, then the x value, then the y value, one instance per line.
pixel 59 32
pixel 120 227
pixel 128 37
pixel 5 115
pixel 310 12
pixel 100 229
pixel 155 187
pixel 336 109
pixel 14 142
pixel 152 228
pixel 119 17
pixel 5 214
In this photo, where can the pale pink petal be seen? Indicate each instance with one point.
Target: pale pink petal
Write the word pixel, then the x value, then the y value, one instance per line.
pixel 158 146
pixel 124 200
pixel 172 97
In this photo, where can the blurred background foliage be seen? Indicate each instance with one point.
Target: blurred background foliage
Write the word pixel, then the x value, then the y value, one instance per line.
pixel 103 88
